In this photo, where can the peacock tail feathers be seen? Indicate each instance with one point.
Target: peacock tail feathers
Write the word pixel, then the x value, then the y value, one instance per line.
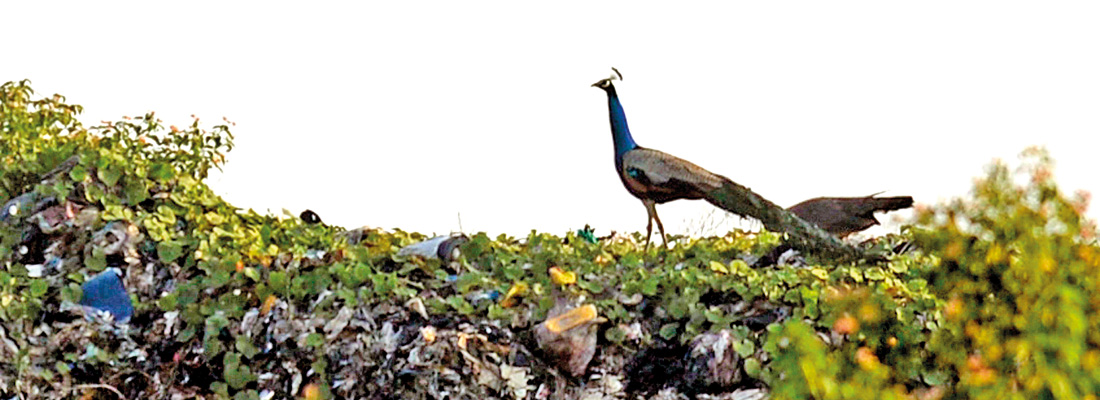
pixel 846 215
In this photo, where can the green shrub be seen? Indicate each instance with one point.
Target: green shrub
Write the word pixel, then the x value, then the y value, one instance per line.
pixel 1015 272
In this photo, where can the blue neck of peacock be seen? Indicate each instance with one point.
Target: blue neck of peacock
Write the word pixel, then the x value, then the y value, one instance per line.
pixel 619 131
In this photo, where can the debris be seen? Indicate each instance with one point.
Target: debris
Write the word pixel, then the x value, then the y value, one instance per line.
pixel 588 234
pixel 106 293
pixel 442 247
pixel 19 207
pixel 428 333
pixel 568 337
pixel 337 324
pixel 519 289
pixel 712 363
pixel 354 236
pixel 562 277
pixel 517 380
pixel 311 392
pixel 314 254
pixel 416 304
pixel 310 217
pixel 269 302
pixel 479 296
pixel 633 300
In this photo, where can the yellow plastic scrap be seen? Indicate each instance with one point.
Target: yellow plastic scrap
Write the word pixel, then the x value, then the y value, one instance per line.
pixel 571 319
pixel 311 392
pixel 561 277
pixel 428 332
pixel 518 290
pixel 269 302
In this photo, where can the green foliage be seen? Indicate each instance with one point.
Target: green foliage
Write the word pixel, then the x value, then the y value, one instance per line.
pixel 1018 266
pixel 1016 269
pixel 38 134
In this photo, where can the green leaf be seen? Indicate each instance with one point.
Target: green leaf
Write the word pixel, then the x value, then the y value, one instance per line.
pixel 167 303
pixel 109 174
pixel 245 347
pixel 668 331
pixel 252 274
pixel 211 345
pixel 744 348
pixel 315 340
pixel 78 173
pixel 62 368
pixel 39 287
pixel 719 267
pixel 649 286
pixel 221 389
pixel 460 304
pixel 72 293
pixel 135 191
pixel 97 261
pixel 169 251
pixel 161 171
pixel 752 368
pixel 591 286
pixel 875 274
pixel 616 335
pixel 277 280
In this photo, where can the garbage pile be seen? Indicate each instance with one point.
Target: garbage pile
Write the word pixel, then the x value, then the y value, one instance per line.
pixel 106 324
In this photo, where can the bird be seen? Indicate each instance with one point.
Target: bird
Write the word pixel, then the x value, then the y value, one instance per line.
pixel 652 176
pixel 843 216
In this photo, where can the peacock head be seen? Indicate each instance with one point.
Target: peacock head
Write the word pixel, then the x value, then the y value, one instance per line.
pixel 605 84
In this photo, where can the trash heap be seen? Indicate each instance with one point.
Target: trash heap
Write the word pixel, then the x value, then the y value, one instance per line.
pixel 122 275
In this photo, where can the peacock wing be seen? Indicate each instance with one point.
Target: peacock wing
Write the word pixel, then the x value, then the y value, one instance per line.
pixel 662 169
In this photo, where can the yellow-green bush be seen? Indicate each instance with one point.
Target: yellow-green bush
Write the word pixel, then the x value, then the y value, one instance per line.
pixel 1015 269
pixel 1018 268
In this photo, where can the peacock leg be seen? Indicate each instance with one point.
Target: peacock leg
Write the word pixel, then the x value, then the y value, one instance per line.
pixel 651 209
pixel 664 239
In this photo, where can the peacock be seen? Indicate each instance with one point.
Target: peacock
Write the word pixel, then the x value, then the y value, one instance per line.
pixel 654 177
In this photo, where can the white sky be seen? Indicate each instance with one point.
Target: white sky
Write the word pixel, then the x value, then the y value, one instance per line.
pixel 404 114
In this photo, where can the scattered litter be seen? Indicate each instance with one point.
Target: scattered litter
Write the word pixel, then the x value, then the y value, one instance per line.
pixel 442 247
pixel 568 337
pixel 632 300
pixel 19 207
pixel 428 333
pixel 712 362
pixel 519 289
pixel 337 324
pixel 310 217
pixel 562 277
pixel 269 302
pixel 106 293
pixel 416 304
pixel 477 297
pixel 314 254
pixel 588 234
